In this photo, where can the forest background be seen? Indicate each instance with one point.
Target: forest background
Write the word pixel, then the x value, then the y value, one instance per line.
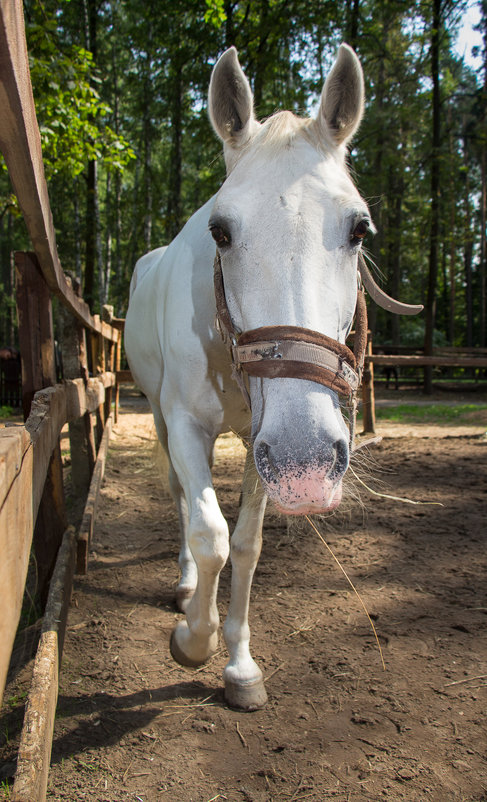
pixel 121 96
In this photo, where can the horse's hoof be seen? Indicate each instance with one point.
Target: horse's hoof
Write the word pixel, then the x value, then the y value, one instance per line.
pixel 181 636
pixel 183 598
pixel 179 656
pixel 247 696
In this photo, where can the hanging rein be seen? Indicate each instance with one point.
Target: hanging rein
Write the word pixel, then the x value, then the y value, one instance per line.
pixel 299 353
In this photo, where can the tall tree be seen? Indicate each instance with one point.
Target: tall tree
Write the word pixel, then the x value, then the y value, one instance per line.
pixel 435 191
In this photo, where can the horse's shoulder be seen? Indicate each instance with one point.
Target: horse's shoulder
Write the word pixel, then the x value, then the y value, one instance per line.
pixel 144 264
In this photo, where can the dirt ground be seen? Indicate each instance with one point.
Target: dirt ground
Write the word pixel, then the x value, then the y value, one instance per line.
pixel 132 725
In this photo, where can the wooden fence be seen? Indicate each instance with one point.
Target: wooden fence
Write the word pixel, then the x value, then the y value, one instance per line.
pixel 475 358
pixel 32 504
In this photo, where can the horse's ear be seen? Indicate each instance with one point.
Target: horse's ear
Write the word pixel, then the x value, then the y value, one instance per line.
pixel 230 101
pixel 342 99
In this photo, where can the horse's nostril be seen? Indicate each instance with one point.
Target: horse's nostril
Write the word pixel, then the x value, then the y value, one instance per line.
pixel 264 462
pixel 340 463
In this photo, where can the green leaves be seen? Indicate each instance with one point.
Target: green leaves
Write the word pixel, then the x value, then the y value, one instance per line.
pixel 73 119
pixel 215 13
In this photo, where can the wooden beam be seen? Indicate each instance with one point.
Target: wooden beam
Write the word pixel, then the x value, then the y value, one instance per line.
pixel 125 377
pixel 25 455
pixel 368 394
pixel 34 312
pixel 20 143
pixel 422 361
pixel 36 336
pixel 85 534
pixel 16 527
pixel 36 740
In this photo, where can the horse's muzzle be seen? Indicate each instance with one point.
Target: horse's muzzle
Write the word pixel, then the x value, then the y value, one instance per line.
pixel 302 486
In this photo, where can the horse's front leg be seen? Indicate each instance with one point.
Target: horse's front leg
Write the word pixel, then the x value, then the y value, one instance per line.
pixel 194 640
pixel 244 684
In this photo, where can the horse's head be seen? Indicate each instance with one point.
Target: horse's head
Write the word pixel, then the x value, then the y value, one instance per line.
pixel 288 223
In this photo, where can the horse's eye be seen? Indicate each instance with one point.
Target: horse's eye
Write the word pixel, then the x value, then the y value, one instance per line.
pixel 221 237
pixel 360 232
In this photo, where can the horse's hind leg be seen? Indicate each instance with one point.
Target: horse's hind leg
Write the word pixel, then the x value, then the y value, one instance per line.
pixel 244 685
pixel 187 565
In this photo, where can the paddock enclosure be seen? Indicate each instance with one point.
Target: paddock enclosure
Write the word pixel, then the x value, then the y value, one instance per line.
pixel 131 724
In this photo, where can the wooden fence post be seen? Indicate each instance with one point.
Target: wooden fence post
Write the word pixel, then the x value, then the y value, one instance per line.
pixel 368 395
pixel 110 351
pixel 75 365
pixel 38 371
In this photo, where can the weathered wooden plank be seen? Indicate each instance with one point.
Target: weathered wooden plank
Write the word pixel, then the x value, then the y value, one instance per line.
pixel 36 742
pixel 20 144
pixel 34 312
pixel 423 361
pixel 36 337
pixel 86 529
pixel 22 486
pixel 14 442
pixel 47 418
pixel 124 377
pixel 36 739
pixel 81 399
pixel 75 365
pixel 16 527
pixel 368 394
pixel 50 524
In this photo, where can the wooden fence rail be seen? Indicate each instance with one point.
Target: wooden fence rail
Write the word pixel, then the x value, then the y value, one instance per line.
pixel 445 357
pixel 32 505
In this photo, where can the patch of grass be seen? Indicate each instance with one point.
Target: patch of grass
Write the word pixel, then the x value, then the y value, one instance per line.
pixel 458 414
pixel 17 699
pixel 6 412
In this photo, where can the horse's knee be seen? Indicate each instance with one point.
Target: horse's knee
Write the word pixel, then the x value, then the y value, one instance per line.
pixel 209 543
pixel 245 551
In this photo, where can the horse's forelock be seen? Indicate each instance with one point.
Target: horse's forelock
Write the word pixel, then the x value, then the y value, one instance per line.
pixel 279 131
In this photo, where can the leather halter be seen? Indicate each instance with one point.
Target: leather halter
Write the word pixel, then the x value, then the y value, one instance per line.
pixel 291 351
pixel 298 353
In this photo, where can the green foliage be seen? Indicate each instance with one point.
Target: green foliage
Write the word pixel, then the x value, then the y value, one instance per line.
pixel 106 74
pixel 71 114
pixel 215 13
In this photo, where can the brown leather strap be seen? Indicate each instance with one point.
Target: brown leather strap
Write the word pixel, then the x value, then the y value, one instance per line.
pixel 289 351
pixel 224 319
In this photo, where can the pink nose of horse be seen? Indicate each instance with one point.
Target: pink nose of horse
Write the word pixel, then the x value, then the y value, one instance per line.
pixel 306 483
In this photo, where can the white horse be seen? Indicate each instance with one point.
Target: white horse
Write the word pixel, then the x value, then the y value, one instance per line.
pixel 288 224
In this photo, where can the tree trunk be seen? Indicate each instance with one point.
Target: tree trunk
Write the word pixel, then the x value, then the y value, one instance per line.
pixel 483 249
pixel 352 22
pixel 467 247
pixel 452 272
pixel 435 197
pixel 377 245
pixel 89 292
pixel 395 226
pixel 483 200
pixel 174 213
pixel 92 212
